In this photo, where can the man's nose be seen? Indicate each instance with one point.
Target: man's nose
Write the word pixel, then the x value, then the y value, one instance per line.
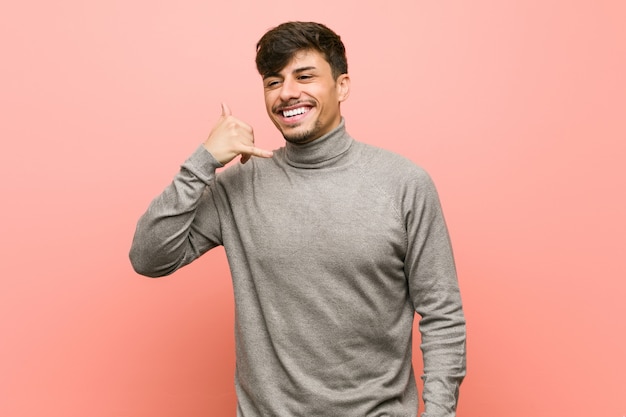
pixel 289 90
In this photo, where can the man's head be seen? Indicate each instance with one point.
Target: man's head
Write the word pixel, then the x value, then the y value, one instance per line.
pixel 304 70
pixel 279 45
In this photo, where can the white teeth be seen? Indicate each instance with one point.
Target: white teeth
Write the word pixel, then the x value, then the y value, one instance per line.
pixel 294 112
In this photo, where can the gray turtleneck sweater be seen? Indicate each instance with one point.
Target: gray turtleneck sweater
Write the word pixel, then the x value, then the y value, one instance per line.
pixel 333 246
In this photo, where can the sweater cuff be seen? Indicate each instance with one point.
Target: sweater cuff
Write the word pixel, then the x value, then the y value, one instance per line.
pixel 202 164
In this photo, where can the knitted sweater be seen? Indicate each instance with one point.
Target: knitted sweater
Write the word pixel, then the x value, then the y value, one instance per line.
pixel 333 246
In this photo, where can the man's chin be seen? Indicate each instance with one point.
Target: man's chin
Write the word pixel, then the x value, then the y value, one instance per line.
pixel 299 136
pixel 298 139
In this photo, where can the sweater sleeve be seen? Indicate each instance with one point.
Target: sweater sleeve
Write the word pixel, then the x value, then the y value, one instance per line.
pixel 434 290
pixel 181 223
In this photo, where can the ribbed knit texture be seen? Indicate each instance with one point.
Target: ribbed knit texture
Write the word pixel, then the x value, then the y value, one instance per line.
pixel 333 246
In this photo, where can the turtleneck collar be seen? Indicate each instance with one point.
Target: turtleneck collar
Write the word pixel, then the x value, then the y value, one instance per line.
pixel 321 151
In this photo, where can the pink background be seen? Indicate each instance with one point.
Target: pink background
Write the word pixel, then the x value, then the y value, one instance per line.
pixel 517 109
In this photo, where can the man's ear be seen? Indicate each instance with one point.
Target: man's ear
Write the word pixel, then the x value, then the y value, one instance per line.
pixel 343 87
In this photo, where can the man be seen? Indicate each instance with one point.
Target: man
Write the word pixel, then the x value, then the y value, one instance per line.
pixel 333 246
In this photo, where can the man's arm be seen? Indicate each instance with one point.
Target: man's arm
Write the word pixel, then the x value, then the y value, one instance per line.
pixel 182 222
pixel 435 294
pixel 168 235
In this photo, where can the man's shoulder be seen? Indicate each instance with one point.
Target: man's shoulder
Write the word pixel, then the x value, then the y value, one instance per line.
pixel 389 163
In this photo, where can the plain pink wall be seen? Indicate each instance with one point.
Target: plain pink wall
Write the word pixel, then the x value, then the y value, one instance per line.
pixel 517 109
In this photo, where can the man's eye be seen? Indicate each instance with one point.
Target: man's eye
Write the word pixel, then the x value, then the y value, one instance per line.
pixel 304 77
pixel 272 84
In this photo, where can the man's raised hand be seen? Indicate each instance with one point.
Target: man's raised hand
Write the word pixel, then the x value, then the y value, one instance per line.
pixel 231 137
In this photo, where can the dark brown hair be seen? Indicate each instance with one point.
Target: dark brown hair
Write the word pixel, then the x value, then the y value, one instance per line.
pixel 278 46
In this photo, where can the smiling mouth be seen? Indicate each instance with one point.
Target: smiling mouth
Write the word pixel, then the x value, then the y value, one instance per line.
pixel 295 112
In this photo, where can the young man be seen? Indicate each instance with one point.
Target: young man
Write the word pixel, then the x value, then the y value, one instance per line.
pixel 333 246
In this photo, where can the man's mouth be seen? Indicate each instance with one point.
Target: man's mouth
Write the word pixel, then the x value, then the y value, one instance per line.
pixel 295 112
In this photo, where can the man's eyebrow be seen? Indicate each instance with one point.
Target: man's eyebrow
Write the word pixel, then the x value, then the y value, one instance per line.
pixel 296 71
pixel 270 75
pixel 303 69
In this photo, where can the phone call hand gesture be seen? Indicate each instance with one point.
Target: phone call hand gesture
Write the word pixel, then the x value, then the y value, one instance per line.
pixel 231 137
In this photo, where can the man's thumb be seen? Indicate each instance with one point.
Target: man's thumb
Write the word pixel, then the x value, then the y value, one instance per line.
pixel 225 110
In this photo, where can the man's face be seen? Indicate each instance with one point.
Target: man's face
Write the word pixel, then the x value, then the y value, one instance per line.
pixel 303 99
